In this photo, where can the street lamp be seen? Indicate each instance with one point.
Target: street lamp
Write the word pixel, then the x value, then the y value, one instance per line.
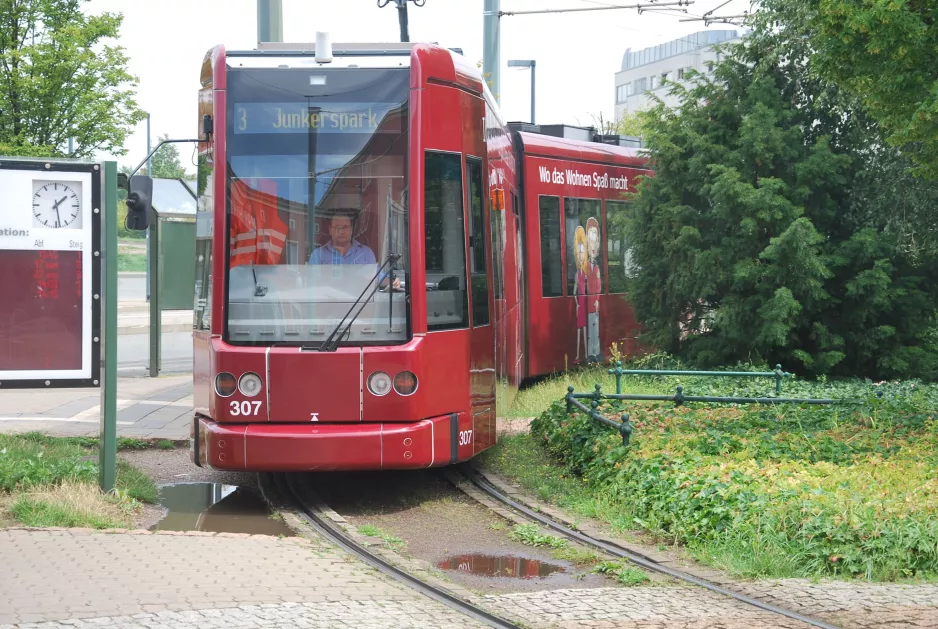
pixel 526 63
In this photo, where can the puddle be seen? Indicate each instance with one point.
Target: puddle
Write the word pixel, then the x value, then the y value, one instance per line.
pixel 500 566
pixel 217 508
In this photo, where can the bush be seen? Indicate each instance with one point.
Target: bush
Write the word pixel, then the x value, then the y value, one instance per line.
pixel 843 490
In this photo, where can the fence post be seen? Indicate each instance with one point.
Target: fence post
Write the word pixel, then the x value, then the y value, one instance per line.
pixel 598 394
pixel 594 412
pixel 625 429
pixel 778 379
pixel 618 372
pixel 679 396
pixel 568 397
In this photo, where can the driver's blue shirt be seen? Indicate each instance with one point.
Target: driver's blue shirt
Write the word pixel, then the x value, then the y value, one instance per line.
pixel 357 254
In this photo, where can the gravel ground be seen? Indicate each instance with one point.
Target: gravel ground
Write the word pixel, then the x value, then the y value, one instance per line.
pixel 174 466
pixel 440 524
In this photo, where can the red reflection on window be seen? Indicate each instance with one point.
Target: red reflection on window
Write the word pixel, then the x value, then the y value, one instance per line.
pixel 40 310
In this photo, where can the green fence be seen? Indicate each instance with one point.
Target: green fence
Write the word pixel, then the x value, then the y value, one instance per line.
pixel 778 374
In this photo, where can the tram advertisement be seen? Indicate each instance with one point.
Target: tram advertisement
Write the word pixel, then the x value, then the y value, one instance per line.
pixel 49 313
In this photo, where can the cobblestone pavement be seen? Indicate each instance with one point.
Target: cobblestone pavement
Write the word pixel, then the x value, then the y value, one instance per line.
pixel 54 578
pixel 147 408
pixel 57 576
pixel 860 605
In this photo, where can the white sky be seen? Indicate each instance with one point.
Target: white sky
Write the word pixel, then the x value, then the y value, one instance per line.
pixel 577 54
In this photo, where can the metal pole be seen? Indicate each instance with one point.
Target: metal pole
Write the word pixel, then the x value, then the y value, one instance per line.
pixel 71 143
pixel 149 174
pixel 269 21
pixel 402 17
pixel 107 453
pixel 532 90
pixel 491 47
pixel 156 326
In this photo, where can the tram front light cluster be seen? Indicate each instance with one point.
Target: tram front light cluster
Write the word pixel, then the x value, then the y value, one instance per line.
pixel 249 384
pixel 225 384
pixel 380 383
pixel 405 383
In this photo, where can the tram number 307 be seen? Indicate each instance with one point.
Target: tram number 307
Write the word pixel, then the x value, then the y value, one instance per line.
pixel 245 408
pixel 465 437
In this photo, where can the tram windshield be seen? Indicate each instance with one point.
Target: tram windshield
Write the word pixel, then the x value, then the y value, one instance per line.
pixel 317 205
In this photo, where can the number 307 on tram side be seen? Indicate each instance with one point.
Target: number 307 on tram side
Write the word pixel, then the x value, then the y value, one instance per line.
pixel 361 299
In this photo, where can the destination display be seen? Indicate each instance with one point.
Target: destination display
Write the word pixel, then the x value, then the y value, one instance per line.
pixel 49 274
pixel 328 118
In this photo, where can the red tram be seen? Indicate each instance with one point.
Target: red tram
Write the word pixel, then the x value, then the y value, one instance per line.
pixel 381 261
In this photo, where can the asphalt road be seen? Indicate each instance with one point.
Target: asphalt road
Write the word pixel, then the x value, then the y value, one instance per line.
pixel 133 354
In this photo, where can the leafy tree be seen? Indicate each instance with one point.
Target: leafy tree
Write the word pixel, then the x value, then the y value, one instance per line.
pixel 60 80
pixel 885 54
pixel 762 234
pixel 631 123
pixel 166 162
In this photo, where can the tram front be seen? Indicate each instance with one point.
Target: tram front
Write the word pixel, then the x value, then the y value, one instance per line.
pixel 305 353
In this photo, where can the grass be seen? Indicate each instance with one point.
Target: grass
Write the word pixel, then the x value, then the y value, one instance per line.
pixel 50 481
pixel 394 543
pixel 131 262
pixel 845 491
pixel 624 574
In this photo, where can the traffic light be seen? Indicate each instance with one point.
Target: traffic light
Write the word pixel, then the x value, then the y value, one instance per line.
pixel 139 201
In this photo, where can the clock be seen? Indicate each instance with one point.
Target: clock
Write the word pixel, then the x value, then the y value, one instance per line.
pixel 57 204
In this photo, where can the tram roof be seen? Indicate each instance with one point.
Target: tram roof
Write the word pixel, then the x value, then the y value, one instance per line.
pixel 540 145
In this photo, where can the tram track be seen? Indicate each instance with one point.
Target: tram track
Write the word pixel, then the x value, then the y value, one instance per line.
pixel 286 487
pixel 481 483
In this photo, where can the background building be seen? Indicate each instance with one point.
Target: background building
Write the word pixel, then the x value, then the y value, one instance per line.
pixel 643 70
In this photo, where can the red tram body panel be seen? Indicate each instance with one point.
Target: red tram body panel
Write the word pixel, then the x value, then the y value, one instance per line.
pixel 381 261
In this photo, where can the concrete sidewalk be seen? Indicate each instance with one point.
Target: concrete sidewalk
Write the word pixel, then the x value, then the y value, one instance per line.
pixel 147 408
pixel 209 580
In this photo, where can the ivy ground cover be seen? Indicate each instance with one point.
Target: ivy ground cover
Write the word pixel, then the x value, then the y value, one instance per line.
pixel 848 490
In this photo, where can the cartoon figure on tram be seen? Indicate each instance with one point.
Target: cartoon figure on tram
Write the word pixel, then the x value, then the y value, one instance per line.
pixel 593 289
pixel 579 289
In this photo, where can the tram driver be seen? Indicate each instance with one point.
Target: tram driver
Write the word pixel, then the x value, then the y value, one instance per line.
pixel 342 248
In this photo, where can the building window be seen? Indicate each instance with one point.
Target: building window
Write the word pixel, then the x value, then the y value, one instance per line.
pixel 655 82
pixel 641 85
pixel 680 74
pixel 292 252
pixel 551 259
pixel 480 280
pixel 445 244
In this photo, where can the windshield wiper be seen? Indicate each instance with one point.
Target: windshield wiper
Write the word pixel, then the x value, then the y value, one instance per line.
pixel 259 291
pixel 332 342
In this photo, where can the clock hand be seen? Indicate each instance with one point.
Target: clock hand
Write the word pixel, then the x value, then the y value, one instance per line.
pixel 58 203
pixel 58 221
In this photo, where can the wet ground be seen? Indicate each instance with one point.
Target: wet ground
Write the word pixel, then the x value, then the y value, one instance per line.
pixel 218 508
pixel 444 527
pixel 198 499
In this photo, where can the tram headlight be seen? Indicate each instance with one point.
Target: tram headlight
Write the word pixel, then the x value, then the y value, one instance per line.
pixel 250 384
pixel 379 383
pixel 225 384
pixel 405 383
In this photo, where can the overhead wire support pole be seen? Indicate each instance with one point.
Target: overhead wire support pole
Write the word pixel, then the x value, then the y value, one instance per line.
pixel 647 6
pixel 713 19
pixel 402 14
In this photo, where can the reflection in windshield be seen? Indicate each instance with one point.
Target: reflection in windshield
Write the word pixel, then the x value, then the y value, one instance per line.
pixel 317 199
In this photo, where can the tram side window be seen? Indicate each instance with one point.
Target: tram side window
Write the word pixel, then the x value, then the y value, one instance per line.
pixel 444 243
pixel 583 225
pixel 621 267
pixel 480 280
pixel 551 259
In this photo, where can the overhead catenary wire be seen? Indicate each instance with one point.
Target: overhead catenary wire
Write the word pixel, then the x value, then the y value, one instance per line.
pixel 600 8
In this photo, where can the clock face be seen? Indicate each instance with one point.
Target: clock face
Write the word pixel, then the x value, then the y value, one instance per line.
pixel 57 204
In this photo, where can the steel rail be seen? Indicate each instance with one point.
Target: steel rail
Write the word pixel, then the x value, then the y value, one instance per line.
pixel 481 483
pixel 331 532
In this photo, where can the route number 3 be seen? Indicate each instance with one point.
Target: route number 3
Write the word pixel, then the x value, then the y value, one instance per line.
pixel 465 437
pixel 245 408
